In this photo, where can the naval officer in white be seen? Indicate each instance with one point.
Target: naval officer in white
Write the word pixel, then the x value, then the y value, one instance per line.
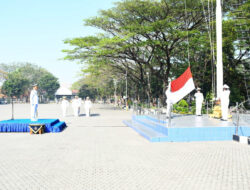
pixel 225 102
pixel 34 103
pixel 198 101
pixel 87 105
pixel 64 105
pixel 76 105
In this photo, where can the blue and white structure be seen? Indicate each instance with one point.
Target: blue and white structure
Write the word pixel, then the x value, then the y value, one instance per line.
pixel 185 128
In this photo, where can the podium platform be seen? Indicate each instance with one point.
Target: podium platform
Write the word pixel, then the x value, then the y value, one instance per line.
pixel 185 128
pixel 22 125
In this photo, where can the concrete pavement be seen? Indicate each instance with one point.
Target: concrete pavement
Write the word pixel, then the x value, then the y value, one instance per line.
pixel 101 153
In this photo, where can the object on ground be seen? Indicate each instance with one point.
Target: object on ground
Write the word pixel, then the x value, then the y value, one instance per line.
pixel 36 128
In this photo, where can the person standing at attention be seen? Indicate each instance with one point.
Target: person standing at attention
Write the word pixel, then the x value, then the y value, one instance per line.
pixel 87 105
pixel 34 103
pixel 198 101
pixel 64 105
pixel 76 105
pixel 225 102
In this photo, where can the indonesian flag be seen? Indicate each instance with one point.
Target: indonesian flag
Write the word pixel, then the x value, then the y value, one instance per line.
pixel 181 86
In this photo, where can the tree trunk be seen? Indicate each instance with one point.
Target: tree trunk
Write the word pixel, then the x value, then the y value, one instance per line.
pixel 163 96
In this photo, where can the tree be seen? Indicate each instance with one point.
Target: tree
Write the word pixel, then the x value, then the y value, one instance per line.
pixel 15 86
pixel 160 38
pixel 8 68
pixel 48 85
pixel 138 37
pixel 33 72
pixel 3 75
pixel 86 91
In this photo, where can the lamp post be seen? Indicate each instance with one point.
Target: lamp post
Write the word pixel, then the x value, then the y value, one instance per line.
pixel 148 89
pixel 115 84
pixel 157 68
pixel 126 93
pixel 126 89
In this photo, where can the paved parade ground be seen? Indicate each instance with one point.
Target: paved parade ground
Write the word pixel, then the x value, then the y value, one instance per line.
pixel 101 153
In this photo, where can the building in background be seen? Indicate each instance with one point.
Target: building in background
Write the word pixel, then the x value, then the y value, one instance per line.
pixel 64 90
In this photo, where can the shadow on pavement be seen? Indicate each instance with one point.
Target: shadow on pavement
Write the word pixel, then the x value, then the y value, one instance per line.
pixel 91 115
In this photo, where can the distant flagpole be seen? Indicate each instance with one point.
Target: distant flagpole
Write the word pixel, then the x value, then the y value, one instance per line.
pixel 219 64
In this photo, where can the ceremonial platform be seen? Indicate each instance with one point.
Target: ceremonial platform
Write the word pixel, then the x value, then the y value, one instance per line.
pixel 22 125
pixel 185 128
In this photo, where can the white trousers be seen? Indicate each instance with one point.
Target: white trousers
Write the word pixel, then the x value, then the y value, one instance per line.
pixel 87 111
pixel 64 111
pixel 33 112
pixel 76 111
pixel 224 111
pixel 198 108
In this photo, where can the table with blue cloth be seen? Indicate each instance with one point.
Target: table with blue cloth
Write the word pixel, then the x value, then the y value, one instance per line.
pixel 23 125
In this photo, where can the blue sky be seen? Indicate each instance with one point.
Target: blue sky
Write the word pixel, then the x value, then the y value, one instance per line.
pixel 33 31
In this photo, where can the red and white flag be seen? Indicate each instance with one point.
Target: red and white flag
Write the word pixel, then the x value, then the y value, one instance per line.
pixel 181 86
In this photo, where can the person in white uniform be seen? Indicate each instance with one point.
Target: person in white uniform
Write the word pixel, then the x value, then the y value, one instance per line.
pixel 64 105
pixel 87 105
pixel 225 102
pixel 76 105
pixel 168 101
pixel 34 103
pixel 198 101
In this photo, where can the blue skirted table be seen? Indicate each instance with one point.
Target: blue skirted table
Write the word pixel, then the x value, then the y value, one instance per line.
pixel 22 125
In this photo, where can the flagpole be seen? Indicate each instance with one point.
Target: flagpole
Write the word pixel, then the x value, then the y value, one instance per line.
pixel 219 64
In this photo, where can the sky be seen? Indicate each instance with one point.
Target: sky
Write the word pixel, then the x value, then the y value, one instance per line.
pixel 33 31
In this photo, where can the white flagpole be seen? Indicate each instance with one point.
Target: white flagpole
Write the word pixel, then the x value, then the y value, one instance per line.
pixel 219 65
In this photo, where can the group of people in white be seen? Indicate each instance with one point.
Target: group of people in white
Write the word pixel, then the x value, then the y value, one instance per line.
pixel 77 102
pixel 76 106
pixel 224 98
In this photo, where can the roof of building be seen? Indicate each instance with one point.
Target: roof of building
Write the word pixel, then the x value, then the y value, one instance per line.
pixel 63 91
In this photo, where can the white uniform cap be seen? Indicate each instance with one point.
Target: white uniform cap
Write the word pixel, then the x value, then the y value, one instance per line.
pixel 198 88
pixel 225 86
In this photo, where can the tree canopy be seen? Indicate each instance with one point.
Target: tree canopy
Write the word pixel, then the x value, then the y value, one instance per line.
pixel 48 83
pixel 151 42
pixel 15 85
